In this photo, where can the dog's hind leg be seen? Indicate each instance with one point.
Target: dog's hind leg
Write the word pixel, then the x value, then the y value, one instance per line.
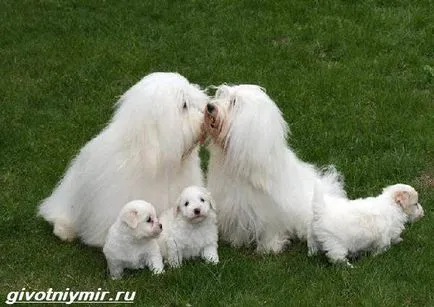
pixel 272 243
pixel 156 264
pixel 64 230
pixel 174 255
pixel 397 240
pixel 338 255
pixel 313 245
pixel 115 269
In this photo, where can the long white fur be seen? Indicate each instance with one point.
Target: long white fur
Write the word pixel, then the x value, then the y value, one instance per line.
pixel 263 190
pixel 148 151
pixel 342 226
pixel 188 235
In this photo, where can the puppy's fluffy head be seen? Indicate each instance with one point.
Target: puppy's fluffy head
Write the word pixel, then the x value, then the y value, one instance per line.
pixel 161 117
pixel 407 198
pixel 247 124
pixel 140 219
pixel 195 204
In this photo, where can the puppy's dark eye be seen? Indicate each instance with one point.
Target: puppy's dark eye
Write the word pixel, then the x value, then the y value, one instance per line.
pixel 149 220
pixel 184 106
pixel 186 204
pixel 201 199
pixel 232 102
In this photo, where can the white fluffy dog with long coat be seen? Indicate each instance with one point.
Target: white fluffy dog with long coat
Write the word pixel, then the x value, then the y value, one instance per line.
pixel 148 151
pixel 263 191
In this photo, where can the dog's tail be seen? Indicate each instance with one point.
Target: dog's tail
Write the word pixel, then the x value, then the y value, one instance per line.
pixel 332 182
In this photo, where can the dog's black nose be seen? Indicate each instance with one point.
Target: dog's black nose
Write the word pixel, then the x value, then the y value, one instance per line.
pixel 210 107
pixel 161 226
pixel 196 211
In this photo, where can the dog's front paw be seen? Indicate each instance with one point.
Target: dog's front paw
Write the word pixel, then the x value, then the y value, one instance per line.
pixel 115 270
pixel 397 240
pixel 116 276
pixel 158 271
pixel 210 255
pixel 312 251
pixel 174 264
pixel 212 259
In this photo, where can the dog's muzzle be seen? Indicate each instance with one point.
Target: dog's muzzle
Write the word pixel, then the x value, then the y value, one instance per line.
pixel 210 108
pixel 211 114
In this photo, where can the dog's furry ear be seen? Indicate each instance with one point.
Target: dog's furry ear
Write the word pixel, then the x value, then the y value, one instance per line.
pixel 208 196
pixel 130 218
pixel 402 198
pixel 211 202
pixel 177 210
pixel 178 206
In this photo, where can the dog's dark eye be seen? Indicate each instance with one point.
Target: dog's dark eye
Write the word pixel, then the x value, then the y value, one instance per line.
pixel 186 203
pixel 149 220
pixel 184 106
pixel 232 102
pixel 201 199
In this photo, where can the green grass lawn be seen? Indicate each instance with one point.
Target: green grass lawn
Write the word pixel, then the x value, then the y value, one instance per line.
pixel 354 79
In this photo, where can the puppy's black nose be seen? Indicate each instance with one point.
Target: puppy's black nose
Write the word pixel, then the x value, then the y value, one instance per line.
pixel 196 211
pixel 210 107
pixel 161 226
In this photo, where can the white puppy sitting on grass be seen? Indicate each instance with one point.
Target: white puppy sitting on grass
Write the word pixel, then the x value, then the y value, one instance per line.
pixel 131 241
pixel 341 226
pixel 190 229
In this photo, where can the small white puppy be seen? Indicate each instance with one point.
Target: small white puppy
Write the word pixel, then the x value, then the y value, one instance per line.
pixel 341 226
pixel 131 241
pixel 190 229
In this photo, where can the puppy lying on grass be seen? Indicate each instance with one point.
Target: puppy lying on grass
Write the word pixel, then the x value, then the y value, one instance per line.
pixel 341 226
pixel 131 241
pixel 190 229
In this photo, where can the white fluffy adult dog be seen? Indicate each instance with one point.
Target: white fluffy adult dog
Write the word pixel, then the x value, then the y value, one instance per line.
pixel 148 151
pixel 342 226
pixel 131 241
pixel 263 191
pixel 190 229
